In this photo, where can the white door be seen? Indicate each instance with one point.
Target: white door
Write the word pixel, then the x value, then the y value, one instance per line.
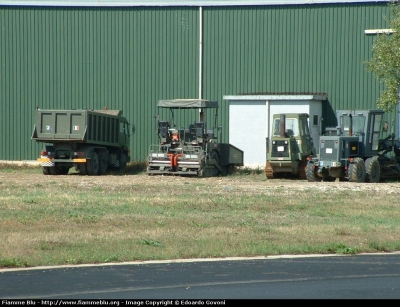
pixel 247 131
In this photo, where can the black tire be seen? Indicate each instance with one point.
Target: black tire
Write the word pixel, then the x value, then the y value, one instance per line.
pixel 311 173
pixel 103 164
pixel 357 171
pixel 215 171
pixel 372 169
pixel 46 170
pixel 302 169
pixel 224 171
pixel 92 165
pixel 123 161
pixel 82 169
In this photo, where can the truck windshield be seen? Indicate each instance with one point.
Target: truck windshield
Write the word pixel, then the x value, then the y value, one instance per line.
pixel 292 127
pixel 357 127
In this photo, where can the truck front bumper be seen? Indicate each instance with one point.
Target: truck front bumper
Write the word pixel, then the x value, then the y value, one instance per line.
pixel 284 166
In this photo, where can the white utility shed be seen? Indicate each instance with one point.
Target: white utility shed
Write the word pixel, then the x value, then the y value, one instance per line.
pixel 250 120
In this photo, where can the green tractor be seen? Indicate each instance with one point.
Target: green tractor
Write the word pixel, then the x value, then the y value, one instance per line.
pixel 355 150
pixel 290 147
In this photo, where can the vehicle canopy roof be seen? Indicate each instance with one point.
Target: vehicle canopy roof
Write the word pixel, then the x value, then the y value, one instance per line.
pixel 187 103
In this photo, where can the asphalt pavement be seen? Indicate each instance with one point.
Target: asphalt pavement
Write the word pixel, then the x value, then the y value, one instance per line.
pixel 364 276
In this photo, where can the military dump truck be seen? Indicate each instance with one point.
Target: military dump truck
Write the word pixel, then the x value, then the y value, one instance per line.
pixel 355 150
pixel 290 146
pixel 191 150
pixel 92 141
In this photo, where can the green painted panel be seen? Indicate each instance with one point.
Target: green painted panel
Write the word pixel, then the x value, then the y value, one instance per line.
pixel 314 48
pixel 74 58
pixel 129 58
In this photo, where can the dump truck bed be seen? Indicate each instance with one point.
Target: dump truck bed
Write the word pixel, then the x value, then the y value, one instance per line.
pixel 97 127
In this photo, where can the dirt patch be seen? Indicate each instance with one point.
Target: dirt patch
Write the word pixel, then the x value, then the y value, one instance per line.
pixel 231 182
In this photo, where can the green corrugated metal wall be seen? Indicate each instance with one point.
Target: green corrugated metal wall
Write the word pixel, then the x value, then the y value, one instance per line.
pixel 311 48
pixel 128 58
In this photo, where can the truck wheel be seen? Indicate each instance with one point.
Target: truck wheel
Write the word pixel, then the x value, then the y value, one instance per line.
pixel 82 169
pixel 302 171
pixel 215 171
pixel 224 171
pixel 103 164
pixel 373 169
pixel 311 173
pixel 357 171
pixel 46 170
pixel 122 161
pixel 92 165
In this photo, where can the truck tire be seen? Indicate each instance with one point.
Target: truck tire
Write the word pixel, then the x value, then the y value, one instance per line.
pixel 372 169
pixel 357 171
pixel 82 169
pixel 103 164
pixel 46 170
pixel 302 171
pixel 311 173
pixel 92 165
pixel 215 171
pixel 123 161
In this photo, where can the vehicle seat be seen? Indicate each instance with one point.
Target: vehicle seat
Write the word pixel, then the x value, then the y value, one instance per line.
pixel 289 132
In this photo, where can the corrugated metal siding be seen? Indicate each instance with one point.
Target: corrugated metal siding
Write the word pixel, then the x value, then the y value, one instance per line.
pixel 129 58
pixel 90 58
pixel 120 3
pixel 293 49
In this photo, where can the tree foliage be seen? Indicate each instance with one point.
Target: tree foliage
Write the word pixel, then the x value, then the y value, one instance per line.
pixel 385 63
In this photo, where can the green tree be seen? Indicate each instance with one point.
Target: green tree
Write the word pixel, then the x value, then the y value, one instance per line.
pixel 385 63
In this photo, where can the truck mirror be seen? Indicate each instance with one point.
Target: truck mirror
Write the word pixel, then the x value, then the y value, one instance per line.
pixel 133 128
pixel 385 126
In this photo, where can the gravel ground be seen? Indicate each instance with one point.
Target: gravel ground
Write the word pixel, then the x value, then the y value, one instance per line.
pixel 244 182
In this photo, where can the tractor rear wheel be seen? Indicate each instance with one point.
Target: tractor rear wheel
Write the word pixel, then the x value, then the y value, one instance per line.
pixel 373 169
pixel 357 171
pixel 302 169
pixel 311 173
